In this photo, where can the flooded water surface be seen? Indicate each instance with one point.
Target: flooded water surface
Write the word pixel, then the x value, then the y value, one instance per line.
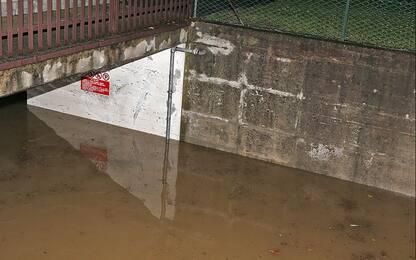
pixel 71 188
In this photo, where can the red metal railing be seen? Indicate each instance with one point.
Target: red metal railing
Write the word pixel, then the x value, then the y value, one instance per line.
pixel 29 26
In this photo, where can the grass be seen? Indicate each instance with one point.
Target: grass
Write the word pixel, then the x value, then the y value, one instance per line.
pixel 382 23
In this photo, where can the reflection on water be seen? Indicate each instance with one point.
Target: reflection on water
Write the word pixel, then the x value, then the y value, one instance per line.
pixel 131 159
pixel 71 188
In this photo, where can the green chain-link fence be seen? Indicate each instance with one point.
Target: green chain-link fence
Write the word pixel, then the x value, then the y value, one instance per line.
pixel 382 23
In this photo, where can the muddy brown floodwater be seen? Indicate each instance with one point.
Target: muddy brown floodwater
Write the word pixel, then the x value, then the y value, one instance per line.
pixel 71 188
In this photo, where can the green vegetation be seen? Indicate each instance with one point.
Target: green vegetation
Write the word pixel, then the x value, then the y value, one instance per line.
pixel 383 23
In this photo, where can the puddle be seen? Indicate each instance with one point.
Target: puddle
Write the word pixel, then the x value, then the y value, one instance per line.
pixel 72 188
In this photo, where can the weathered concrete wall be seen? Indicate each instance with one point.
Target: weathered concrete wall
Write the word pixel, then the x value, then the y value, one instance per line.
pixel 24 77
pixel 338 110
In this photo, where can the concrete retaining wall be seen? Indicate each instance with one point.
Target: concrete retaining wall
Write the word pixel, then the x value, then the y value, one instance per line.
pixel 328 108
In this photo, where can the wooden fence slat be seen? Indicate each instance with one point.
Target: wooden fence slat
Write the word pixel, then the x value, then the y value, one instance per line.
pixel 66 28
pixel 10 27
pixel 1 32
pixel 20 24
pixel 166 8
pixel 49 23
pixel 111 14
pixel 89 19
pixel 74 20
pixel 103 17
pixel 123 13
pixel 171 10
pixel 82 21
pixel 178 9
pixel 40 24
pixel 134 19
pixel 97 18
pixel 157 11
pixel 115 16
pixel 152 12
pixel 147 13
pixel 20 21
pixel 57 22
pixel 141 13
pixel 129 14
pixel 183 10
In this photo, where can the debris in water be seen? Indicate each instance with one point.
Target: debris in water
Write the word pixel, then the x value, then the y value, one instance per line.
pixel 370 196
pixel 274 251
pixel 354 225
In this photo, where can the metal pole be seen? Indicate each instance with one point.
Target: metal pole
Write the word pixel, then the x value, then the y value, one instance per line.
pixel 168 119
pixel 171 75
pixel 345 20
pixel 170 92
pixel 167 139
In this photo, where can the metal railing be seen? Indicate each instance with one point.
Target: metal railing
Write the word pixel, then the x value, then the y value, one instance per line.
pixel 381 23
pixel 30 26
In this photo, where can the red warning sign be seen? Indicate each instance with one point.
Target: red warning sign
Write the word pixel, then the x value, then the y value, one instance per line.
pixel 97 83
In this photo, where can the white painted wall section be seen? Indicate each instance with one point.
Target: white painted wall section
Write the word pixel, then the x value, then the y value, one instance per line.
pixel 137 100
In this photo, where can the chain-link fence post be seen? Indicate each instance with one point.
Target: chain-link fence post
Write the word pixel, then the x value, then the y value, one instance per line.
pixel 345 20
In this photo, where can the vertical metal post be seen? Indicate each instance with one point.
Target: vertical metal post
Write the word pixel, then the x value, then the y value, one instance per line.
pixel 345 20
pixel 168 118
pixel 167 139
pixel 170 92
pixel 171 81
